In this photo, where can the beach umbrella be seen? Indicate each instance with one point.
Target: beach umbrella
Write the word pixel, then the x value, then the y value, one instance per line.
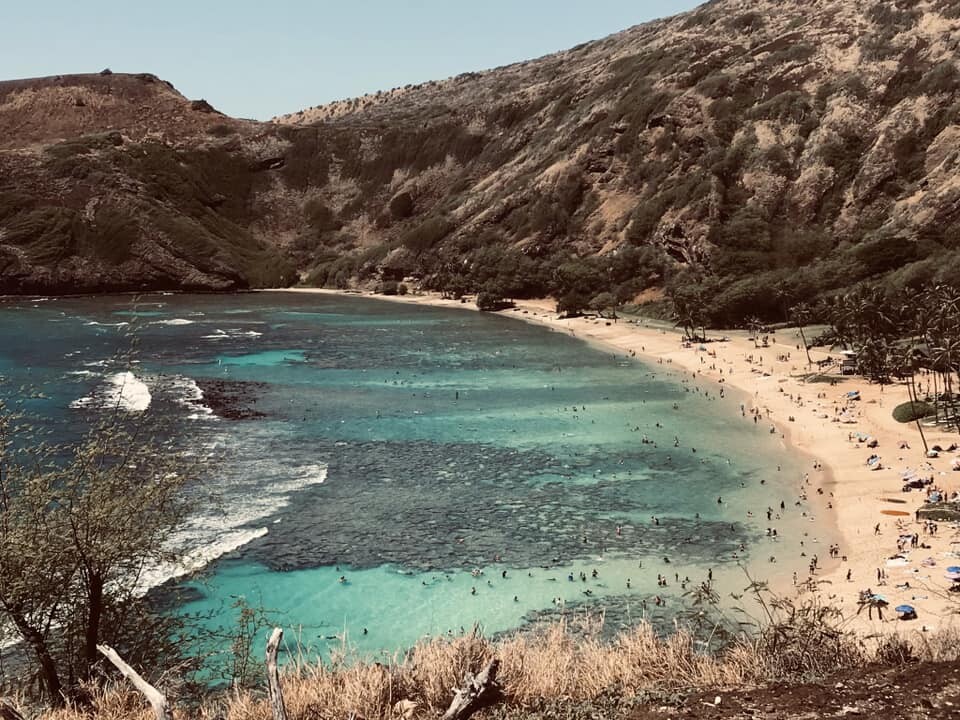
pixel 906 612
pixel 955 576
pixel 954 569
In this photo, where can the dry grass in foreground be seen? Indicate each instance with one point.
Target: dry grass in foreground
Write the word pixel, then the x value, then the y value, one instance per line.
pixel 557 663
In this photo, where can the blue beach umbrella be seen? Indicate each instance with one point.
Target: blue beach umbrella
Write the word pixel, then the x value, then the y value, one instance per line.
pixel 904 609
pixel 954 569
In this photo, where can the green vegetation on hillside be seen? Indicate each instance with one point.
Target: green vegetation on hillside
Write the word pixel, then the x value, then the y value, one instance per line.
pixel 760 158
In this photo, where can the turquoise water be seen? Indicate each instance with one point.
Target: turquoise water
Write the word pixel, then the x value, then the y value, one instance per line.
pixel 419 454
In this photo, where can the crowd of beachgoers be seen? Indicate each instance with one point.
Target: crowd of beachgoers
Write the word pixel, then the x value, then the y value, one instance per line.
pixel 868 474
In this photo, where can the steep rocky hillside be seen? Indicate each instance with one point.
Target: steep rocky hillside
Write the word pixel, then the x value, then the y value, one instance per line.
pixel 111 182
pixel 762 152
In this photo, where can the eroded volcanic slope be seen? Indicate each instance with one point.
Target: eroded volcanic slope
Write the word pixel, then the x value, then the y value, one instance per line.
pixel 796 146
pixel 118 182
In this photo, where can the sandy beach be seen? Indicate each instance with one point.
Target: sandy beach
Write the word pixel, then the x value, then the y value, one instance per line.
pixel 867 506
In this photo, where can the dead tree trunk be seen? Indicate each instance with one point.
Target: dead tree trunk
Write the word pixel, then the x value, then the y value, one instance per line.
pixel 8 711
pixel 478 692
pixel 274 691
pixel 157 700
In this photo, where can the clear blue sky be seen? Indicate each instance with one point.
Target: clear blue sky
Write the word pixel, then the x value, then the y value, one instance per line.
pixel 263 58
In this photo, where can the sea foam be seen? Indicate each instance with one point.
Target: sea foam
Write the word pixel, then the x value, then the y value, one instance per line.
pixel 190 396
pixel 122 390
pixel 214 532
pixel 196 559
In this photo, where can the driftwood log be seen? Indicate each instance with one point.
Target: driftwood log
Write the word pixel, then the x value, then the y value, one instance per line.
pixel 274 691
pixel 478 692
pixel 157 700
pixel 8 710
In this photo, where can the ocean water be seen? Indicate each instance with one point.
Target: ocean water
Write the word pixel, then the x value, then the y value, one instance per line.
pixel 388 472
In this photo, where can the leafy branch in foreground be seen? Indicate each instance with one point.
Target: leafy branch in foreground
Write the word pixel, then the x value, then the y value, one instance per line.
pixel 80 526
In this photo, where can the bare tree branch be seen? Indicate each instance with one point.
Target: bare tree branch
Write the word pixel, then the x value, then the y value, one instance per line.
pixel 274 690
pixel 478 691
pixel 157 700
pixel 8 711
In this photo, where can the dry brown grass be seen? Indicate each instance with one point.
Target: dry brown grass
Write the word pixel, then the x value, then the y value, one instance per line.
pixel 560 661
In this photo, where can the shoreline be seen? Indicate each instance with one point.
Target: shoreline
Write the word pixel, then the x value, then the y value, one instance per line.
pixel 841 491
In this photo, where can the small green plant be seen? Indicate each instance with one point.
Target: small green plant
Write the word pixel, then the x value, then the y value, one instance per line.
pixel 245 668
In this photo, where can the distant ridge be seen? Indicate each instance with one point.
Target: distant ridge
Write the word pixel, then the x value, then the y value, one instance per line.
pixel 770 152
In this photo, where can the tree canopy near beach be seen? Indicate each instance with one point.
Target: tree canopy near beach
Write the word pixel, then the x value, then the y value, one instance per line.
pixel 898 337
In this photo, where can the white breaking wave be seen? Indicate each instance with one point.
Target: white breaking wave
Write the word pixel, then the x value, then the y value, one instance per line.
pixel 191 397
pixel 196 559
pixel 174 321
pixel 123 390
pixel 234 332
pixel 214 533
pixel 100 324
pixel 309 475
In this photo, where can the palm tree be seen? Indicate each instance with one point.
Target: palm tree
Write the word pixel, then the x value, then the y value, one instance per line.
pixel 906 361
pixel 945 358
pixel 753 327
pixel 802 313
pixel 938 319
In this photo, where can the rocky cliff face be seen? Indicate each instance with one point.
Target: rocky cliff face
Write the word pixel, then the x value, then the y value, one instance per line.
pixel 758 148
pixel 118 182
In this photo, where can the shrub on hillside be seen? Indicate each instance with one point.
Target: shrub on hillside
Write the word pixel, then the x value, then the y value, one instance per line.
pixel 746 23
pixel 892 17
pixel 220 130
pixel 787 107
pixel 941 78
pixel 716 85
pixel 948 8
pixel 427 234
pixel 319 216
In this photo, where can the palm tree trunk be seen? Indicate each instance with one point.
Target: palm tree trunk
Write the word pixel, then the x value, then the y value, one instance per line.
pixel 936 398
pixel 912 393
pixel 806 348
pixel 952 400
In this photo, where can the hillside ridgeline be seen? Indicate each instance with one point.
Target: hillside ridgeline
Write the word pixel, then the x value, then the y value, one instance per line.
pixel 764 153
